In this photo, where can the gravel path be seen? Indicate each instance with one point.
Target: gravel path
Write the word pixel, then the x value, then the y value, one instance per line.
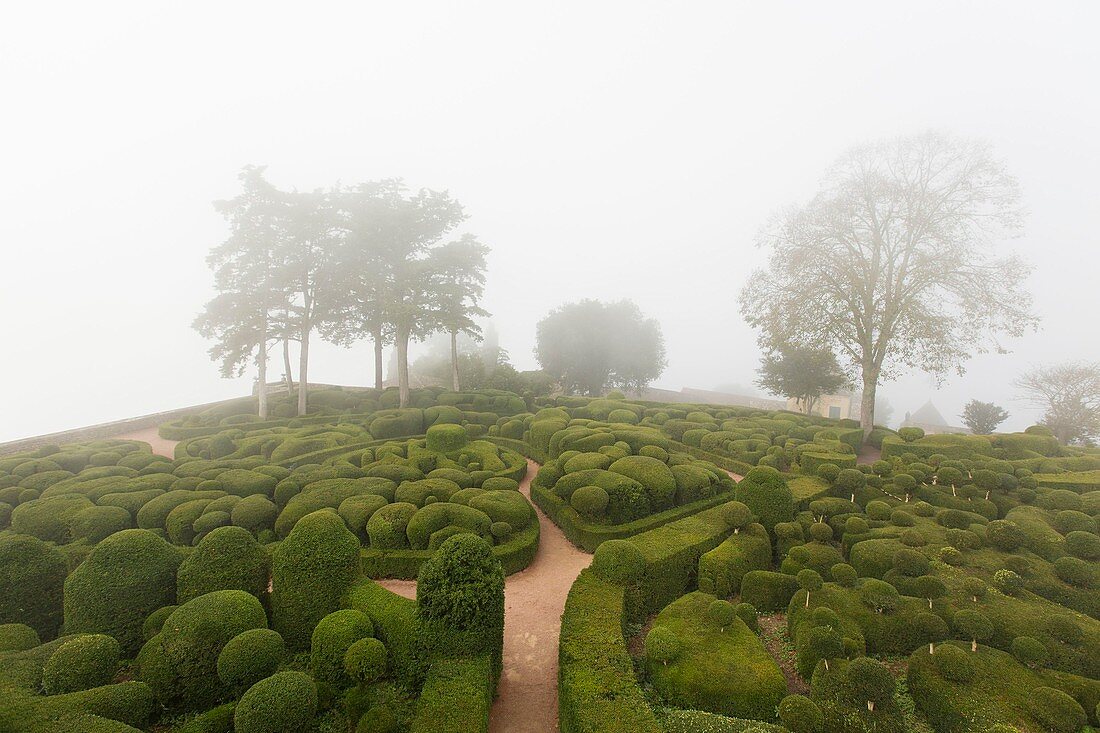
pixel 160 446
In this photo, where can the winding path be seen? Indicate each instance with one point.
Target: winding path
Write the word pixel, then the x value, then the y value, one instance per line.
pixel 534 599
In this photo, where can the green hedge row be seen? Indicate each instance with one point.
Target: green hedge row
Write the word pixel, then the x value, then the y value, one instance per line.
pixel 456 697
pixel 590 535
pixel 515 555
pixel 597 688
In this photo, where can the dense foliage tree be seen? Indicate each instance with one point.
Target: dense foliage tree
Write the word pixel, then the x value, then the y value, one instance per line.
pixel 892 262
pixel 248 310
pixel 982 417
pixel 461 281
pixel 588 346
pixel 802 373
pixel 1069 395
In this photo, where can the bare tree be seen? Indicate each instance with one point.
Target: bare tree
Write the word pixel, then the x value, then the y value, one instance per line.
pixel 894 262
pixel 1069 395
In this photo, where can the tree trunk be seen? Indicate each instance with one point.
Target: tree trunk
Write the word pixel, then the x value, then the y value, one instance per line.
pixel 973 645
pixel 303 373
pixel 376 335
pixel 288 374
pixel 261 368
pixel 454 361
pixel 931 647
pixel 403 367
pixel 867 402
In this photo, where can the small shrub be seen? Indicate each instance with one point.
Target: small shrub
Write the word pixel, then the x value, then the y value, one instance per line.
pixel 953 664
pixel 365 661
pixel 80 664
pixel 249 657
pixel 618 561
pixel 1030 652
pixel 661 645
pixel 332 638
pixel 1056 711
pixel 800 714
pixel 285 701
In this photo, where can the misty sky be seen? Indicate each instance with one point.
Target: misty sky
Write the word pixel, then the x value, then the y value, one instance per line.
pixel 605 150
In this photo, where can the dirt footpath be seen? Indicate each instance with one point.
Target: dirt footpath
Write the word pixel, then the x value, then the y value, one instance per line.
pixel 534 599
pixel 160 446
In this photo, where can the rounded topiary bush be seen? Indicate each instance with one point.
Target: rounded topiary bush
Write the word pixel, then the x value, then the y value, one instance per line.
pixel 748 613
pixel 590 501
pixel 285 701
pixel 662 646
pixel 96 523
pixel 446 438
pixel 1084 545
pixel 229 558
pixel 1056 711
pixel 254 513
pixel 618 561
pixel 655 477
pixel 32 575
pixel 311 570
pixel 737 515
pixel 953 664
pixel 365 661
pixel 844 574
pixel 800 714
pixel 910 434
pixel 1030 652
pixel 180 663
pixel 1075 571
pixel 249 657
pixel 379 719
pixel 331 640
pixel 17 638
pixel 821 532
pixel 767 496
pixel 155 622
pixel 80 664
pixel 124 579
pixel 721 613
pixel 460 601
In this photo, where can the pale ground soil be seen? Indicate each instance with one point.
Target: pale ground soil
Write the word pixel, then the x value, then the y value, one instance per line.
pixel 534 599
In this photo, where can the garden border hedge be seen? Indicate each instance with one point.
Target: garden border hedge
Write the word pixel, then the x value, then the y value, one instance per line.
pixel 515 555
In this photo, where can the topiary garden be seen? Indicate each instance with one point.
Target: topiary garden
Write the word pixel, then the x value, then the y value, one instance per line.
pixel 749 574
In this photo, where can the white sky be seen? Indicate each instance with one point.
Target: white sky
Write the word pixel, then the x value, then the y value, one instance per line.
pixel 602 150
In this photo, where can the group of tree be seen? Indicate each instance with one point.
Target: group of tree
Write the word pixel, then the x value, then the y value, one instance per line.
pixel 589 346
pixel 894 263
pixel 370 261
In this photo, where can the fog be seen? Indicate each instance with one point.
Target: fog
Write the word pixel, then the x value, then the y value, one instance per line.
pixel 606 150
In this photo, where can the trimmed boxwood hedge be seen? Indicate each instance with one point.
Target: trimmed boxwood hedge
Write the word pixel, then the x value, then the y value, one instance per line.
pixel 311 570
pixel 228 558
pixel 721 569
pixel 285 701
pixel 456 697
pixel 597 689
pixel 81 663
pixel 32 578
pixel 124 579
pixel 721 671
pixel 180 663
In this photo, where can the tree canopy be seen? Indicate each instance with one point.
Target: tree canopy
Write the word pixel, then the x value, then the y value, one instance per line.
pixel 588 346
pixel 983 417
pixel 1069 395
pixel 801 372
pixel 896 262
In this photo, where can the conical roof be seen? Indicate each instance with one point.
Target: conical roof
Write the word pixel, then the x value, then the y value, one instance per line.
pixel 927 415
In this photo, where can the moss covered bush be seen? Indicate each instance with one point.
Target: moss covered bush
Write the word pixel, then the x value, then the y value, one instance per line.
pixel 311 571
pixel 124 579
pixel 249 657
pixel 180 663
pixel 228 558
pixel 32 578
pixel 81 663
pixel 285 701
pixel 332 638
pixel 460 601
